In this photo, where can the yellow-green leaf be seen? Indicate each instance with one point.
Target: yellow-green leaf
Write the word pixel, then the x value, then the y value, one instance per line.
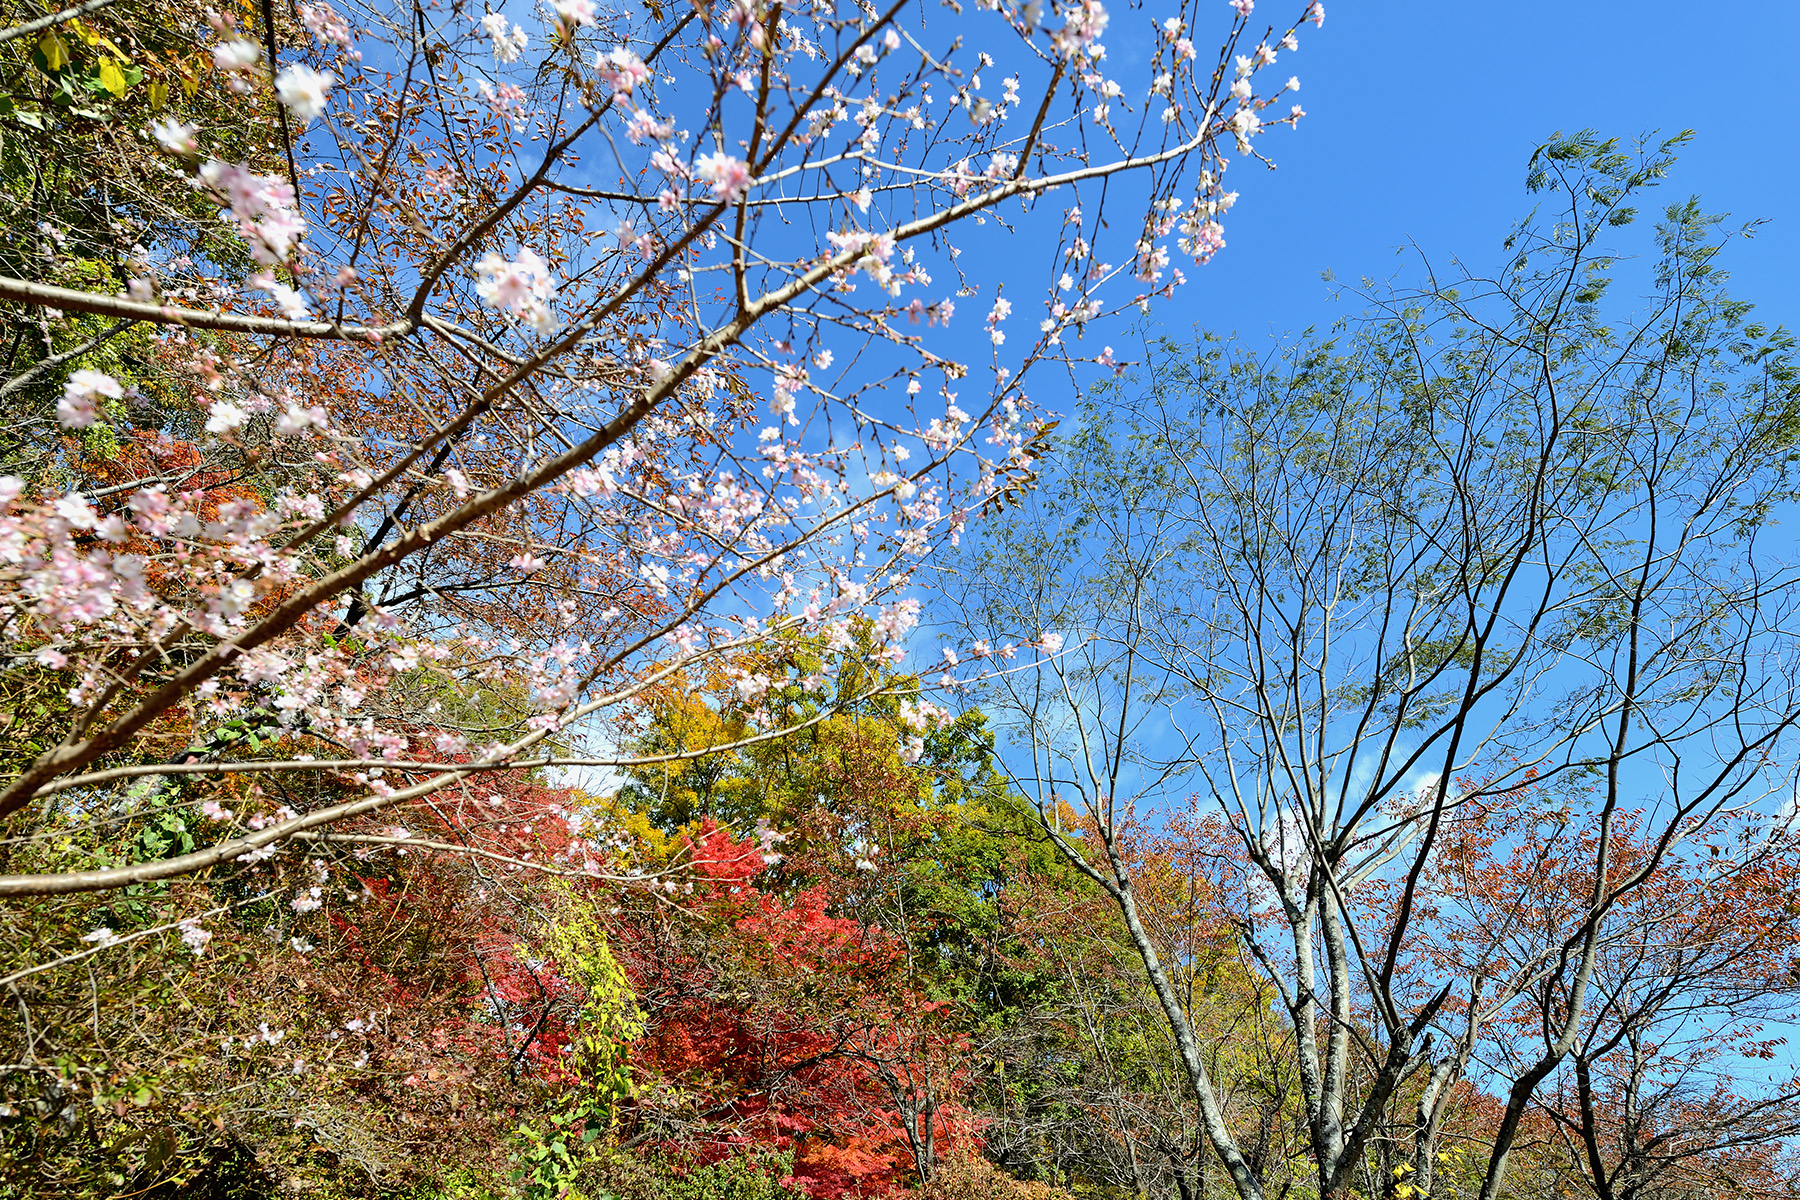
pixel 159 95
pixel 111 78
pixel 54 50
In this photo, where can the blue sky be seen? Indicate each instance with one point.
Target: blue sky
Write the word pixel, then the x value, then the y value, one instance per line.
pixel 1421 117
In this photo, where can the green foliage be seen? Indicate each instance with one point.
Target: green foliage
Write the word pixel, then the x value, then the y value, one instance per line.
pixel 603 1170
pixel 618 1174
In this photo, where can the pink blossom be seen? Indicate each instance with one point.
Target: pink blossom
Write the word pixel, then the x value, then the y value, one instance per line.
pixel 296 419
pixel 78 407
pixel 233 598
pixel 642 126
pixel 1001 310
pixel 263 206
pixel 789 379
pixel 194 937
pixel 521 287
pixel 325 24
pixel 623 70
pixel 1244 125
pixel 1082 27
pixel 729 176
pixel 507 101
pixel 175 136
pixel 572 13
pixel 262 665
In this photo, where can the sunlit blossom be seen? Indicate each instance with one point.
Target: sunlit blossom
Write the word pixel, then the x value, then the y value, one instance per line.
pixel 82 395
pixel 728 175
pixel 302 90
pixel 239 54
pixel 520 286
pixel 177 137
pixel 507 45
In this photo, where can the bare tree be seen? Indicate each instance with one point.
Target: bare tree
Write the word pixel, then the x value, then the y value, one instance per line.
pixel 1495 543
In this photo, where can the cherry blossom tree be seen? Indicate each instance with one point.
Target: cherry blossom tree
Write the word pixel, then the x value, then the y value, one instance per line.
pixel 492 367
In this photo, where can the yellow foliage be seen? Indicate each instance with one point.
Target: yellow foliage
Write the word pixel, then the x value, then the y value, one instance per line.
pixel 610 1018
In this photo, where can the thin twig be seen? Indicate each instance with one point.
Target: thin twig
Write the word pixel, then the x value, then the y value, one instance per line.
pixel 55 18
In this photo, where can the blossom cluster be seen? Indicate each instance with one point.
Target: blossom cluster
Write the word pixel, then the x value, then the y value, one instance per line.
pixel 262 206
pixel 520 287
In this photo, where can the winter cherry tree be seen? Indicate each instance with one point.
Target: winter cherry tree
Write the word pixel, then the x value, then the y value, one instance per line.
pixel 511 363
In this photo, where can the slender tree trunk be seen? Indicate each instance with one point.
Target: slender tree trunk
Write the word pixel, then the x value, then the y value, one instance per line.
pixel 1433 1102
pixel 1328 1149
pixel 1590 1129
pixel 1212 1116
